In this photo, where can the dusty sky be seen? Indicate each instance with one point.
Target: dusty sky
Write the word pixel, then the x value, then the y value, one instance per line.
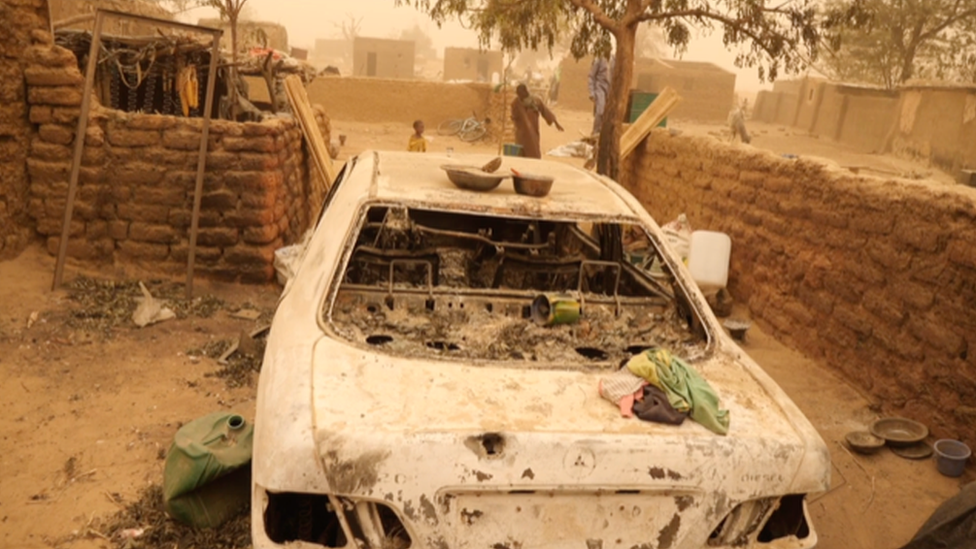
pixel 307 20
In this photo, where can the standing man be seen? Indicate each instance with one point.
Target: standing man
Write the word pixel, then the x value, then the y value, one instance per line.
pixel 526 109
pixel 599 86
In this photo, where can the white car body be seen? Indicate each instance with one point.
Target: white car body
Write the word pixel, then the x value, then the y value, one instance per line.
pixel 359 446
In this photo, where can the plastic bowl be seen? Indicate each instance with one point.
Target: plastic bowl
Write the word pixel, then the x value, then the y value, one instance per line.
pixel 951 457
pixel 472 178
pixel 864 442
pixel 899 431
pixel 532 185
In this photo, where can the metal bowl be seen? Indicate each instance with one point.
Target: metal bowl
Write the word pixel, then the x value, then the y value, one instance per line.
pixel 899 431
pixel 472 178
pixel 864 442
pixel 532 185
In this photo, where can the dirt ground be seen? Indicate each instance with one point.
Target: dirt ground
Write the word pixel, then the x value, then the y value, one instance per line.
pixel 91 402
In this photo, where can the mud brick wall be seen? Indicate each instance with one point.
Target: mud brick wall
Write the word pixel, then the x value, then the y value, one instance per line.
pixel 135 196
pixel 875 277
pixel 23 22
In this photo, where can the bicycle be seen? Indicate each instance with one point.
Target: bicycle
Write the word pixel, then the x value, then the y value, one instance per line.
pixel 468 129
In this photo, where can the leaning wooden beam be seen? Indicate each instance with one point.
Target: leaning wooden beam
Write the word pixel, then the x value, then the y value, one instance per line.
pixel 658 110
pixel 79 147
pixel 306 118
pixel 202 159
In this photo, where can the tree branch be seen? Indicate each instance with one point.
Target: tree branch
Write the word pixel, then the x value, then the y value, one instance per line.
pixel 707 14
pixel 598 14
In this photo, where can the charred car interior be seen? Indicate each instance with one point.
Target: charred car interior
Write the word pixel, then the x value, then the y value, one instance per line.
pixel 430 283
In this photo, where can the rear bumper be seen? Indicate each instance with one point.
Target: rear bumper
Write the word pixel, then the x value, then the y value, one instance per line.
pixel 584 520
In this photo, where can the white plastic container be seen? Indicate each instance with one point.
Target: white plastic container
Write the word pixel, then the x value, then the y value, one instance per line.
pixel 708 259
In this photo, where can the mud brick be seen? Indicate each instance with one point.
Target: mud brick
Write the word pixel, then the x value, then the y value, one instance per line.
pixel 55 133
pixel 62 95
pixel 48 76
pixel 162 195
pixel 244 182
pixel 138 174
pixel 148 213
pixel 217 236
pixel 38 36
pixel 50 152
pixel 94 136
pixel 896 341
pixel 51 225
pixel 820 302
pixel 221 200
pixel 150 122
pixel 78 248
pixel 249 218
pixel 96 229
pixel 872 222
pixel 865 271
pixel 146 232
pixel 263 234
pixel 260 199
pixel 181 140
pixel 143 250
pixel 778 184
pixel 911 294
pixel 257 129
pixel 132 138
pixel 853 317
pixel 219 161
pixel 254 144
pixel 205 255
pixel 828 217
pixel 118 229
pixel 843 287
pixel 47 172
pixel 41 114
pixel 936 333
pixel 93 156
pixel 84 210
pixel 962 251
pixel 249 255
pixel 48 56
pixel 67 115
pixel 257 274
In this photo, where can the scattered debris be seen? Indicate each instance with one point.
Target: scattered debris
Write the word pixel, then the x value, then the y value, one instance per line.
pixel 32 319
pixel 104 305
pixel 145 524
pixel 150 310
pixel 247 314
pixel 239 365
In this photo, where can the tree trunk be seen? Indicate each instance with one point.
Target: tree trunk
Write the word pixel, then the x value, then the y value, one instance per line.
pixel 608 155
pixel 908 64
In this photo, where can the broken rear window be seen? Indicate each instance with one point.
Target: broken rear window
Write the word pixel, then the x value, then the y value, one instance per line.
pixel 559 294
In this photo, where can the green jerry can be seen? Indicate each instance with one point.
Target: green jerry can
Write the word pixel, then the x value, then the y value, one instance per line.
pixel 207 479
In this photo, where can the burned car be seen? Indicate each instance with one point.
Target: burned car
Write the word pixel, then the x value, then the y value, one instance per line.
pixel 422 388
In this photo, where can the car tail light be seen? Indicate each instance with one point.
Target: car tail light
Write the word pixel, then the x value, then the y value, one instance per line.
pixel 332 521
pixel 763 520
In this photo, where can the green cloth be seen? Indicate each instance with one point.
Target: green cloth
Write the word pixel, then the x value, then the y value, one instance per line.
pixel 687 391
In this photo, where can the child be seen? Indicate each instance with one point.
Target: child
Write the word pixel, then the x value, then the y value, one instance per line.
pixel 417 143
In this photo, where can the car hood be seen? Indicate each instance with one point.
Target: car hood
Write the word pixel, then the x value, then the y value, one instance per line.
pixel 367 403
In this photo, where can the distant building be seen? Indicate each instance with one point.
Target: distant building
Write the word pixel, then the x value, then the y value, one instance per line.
pixel 251 34
pixel 707 91
pixel 332 52
pixel 383 58
pixel 471 64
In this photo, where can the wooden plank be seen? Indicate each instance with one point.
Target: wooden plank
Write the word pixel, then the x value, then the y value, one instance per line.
pixel 306 119
pixel 659 109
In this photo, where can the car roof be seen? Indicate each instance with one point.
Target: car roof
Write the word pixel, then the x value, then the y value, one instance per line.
pixel 417 179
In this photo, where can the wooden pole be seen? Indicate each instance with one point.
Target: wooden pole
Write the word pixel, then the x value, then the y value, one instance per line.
pixel 202 160
pixel 80 132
